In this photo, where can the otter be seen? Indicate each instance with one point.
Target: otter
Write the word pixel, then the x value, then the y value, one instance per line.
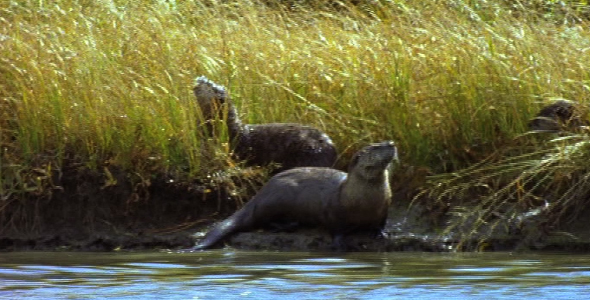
pixel 562 115
pixel 289 145
pixel 320 197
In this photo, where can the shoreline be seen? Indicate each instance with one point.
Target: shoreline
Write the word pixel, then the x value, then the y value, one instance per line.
pixel 172 218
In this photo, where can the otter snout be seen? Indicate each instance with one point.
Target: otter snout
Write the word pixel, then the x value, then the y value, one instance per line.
pixel 385 152
pixel 375 157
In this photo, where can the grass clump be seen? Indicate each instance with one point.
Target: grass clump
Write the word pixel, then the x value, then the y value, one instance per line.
pixel 108 83
pixel 532 194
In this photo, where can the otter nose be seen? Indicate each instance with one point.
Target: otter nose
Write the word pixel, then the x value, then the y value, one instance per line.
pixel 391 144
pixel 387 144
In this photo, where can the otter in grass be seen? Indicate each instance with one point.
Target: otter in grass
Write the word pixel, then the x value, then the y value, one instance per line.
pixel 561 115
pixel 286 144
pixel 320 197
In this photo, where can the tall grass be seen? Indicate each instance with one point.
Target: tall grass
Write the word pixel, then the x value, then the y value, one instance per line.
pixel 109 82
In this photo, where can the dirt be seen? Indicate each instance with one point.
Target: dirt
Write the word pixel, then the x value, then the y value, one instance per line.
pixel 82 213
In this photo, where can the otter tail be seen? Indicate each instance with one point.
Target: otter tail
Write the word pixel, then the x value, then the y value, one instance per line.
pixel 239 221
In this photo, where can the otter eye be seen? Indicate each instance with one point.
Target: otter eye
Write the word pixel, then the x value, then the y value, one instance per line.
pixel 354 161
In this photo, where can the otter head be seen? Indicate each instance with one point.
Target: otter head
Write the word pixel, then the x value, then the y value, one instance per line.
pixel 373 161
pixel 562 115
pixel 210 97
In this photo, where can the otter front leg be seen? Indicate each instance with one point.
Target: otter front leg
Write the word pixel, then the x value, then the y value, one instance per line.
pixel 379 231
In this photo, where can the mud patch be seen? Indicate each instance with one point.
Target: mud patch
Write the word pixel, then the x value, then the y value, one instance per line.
pixel 85 214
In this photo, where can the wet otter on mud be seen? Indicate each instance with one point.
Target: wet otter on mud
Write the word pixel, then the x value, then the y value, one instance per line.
pixel 289 145
pixel 315 196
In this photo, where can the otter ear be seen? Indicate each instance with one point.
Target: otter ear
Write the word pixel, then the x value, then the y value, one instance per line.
pixel 354 161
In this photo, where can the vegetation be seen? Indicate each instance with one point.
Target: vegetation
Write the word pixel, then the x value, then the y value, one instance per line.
pixel 107 84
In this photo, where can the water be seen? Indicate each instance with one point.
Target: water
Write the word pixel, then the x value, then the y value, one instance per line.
pixel 228 274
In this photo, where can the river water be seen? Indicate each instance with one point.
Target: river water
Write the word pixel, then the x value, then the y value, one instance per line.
pixel 227 274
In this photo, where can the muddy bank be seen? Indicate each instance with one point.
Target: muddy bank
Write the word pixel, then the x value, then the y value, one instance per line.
pixel 406 230
pixel 100 210
pixel 414 228
pixel 84 213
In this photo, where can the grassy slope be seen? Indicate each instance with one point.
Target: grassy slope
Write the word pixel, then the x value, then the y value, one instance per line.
pixel 108 83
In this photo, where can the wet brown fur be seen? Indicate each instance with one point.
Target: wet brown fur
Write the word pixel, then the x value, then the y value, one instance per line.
pixel 287 144
pixel 320 197
pixel 562 115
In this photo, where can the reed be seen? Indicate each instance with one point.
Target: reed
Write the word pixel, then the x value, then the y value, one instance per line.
pixel 109 82
pixel 531 195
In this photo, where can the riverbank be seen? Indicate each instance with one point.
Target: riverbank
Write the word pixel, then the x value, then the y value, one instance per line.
pixel 103 147
pixel 404 232
pixel 163 215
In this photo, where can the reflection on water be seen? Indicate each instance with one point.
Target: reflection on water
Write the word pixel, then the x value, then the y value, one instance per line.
pixel 270 275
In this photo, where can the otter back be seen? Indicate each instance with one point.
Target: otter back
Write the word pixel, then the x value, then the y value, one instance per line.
pixel 288 145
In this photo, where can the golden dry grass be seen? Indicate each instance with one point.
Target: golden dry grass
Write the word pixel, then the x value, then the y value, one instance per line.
pixel 109 82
